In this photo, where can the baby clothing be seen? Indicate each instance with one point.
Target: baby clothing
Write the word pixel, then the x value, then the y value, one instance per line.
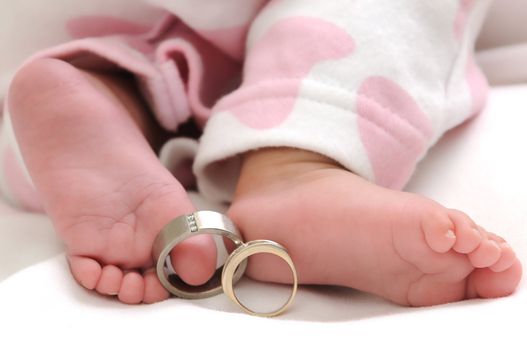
pixel 371 85
pixel 180 70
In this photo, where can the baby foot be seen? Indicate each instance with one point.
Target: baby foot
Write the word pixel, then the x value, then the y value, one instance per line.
pixel 343 230
pixel 82 136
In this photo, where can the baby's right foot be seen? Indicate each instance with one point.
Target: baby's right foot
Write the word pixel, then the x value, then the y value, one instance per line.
pixel 82 138
pixel 343 230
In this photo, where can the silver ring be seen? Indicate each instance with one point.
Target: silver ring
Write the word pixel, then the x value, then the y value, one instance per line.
pixel 181 228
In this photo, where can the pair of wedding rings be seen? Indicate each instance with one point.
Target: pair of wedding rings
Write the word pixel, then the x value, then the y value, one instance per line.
pixel 210 222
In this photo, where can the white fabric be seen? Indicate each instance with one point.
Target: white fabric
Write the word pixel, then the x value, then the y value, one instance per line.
pixel 505 24
pixel 502 44
pixel 505 64
pixel 477 167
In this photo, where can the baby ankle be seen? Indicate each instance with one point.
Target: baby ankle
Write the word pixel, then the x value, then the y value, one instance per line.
pixel 268 165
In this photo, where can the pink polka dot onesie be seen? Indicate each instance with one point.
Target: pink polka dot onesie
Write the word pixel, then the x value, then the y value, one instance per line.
pixel 371 85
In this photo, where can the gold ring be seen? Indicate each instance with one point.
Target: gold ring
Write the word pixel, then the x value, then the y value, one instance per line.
pixel 239 256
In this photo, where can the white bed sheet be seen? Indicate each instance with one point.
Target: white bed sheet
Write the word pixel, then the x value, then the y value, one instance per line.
pixel 479 167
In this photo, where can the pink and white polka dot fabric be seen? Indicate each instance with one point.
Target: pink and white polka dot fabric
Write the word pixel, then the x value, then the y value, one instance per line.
pixel 371 85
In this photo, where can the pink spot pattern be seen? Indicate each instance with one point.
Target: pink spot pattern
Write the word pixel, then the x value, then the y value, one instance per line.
pixel 19 187
pixel 477 84
pixel 277 64
pixel 393 130
pixel 465 6
pixel 476 80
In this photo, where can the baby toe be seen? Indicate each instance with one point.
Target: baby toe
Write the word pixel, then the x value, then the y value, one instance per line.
pixel 506 260
pixel 485 283
pixel 494 237
pixel 194 259
pixel 487 254
pixel 86 271
pixel 438 230
pixel 110 281
pixel 132 288
pixel 154 290
pixel 468 237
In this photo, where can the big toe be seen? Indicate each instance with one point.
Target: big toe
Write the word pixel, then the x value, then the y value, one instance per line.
pixel 194 259
pixel 485 283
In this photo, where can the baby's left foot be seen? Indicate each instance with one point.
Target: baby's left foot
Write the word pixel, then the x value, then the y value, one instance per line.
pixel 343 230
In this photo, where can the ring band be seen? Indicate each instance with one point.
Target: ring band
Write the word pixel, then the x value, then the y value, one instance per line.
pixel 239 256
pixel 183 227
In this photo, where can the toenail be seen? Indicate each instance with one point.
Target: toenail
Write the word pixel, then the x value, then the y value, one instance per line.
pixel 451 234
pixel 495 244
